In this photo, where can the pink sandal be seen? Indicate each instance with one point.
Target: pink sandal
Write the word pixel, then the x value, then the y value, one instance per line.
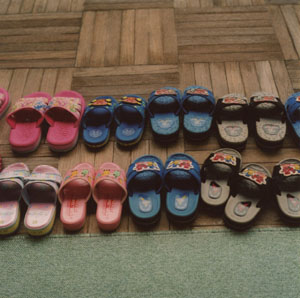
pixel 11 185
pixel 40 194
pixel 65 111
pixel 25 121
pixel 4 102
pixel 73 195
pixel 109 193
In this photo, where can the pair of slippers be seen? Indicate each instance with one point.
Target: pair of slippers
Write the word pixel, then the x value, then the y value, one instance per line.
pixel 129 114
pixel 107 185
pixel 39 191
pixel 243 190
pixel 147 177
pixel 4 102
pixel 166 104
pixel 265 114
pixel 63 113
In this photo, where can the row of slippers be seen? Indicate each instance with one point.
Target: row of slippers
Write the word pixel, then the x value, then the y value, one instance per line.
pixel 66 112
pixel 241 190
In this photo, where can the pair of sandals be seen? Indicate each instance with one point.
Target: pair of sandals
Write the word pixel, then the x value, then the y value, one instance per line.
pixel 147 177
pixel 107 185
pixel 265 114
pixel 39 191
pixel 63 113
pixel 166 104
pixel 129 114
pixel 243 190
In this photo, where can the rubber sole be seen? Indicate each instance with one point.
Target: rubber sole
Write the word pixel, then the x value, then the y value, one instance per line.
pixel 11 229
pixel 65 149
pixel 44 231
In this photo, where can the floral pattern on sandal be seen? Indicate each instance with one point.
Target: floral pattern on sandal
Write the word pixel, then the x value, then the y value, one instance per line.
pixel 224 158
pixel 256 176
pixel 72 104
pixel 38 103
pixel 289 169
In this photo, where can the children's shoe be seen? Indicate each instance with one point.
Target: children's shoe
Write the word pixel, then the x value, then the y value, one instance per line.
pixel 109 193
pixel 292 108
pixel 231 116
pixel 97 120
pixel 164 106
pixel 4 102
pixel 144 183
pixel 198 105
pixel 40 195
pixel 11 185
pixel 130 115
pixel 286 186
pixel 182 181
pixel 216 172
pixel 25 121
pixel 74 192
pixel 268 120
pixel 64 114
pixel 250 191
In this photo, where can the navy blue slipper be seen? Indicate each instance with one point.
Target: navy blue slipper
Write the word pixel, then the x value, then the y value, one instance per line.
pixel 97 119
pixel 292 108
pixel 130 115
pixel 164 106
pixel 198 105
pixel 182 181
pixel 144 183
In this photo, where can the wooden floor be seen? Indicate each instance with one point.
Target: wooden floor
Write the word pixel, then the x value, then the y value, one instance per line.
pixel 114 47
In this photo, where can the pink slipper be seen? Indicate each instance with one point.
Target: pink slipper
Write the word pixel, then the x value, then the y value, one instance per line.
pixel 109 193
pixel 65 111
pixel 73 195
pixel 25 121
pixel 40 194
pixel 11 185
pixel 4 102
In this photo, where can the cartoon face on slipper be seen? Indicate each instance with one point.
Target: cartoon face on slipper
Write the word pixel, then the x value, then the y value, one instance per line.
pixel 181 201
pixel 132 100
pixel 271 129
pixel 165 123
pixel 100 102
pixel 145 204
pixel 146 165
pixel 233 131
pixel 289 169
pixel 180 164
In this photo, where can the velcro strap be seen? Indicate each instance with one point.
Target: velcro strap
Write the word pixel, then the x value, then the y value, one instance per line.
pixel 37 103
pixel 71 104
pixel 44 177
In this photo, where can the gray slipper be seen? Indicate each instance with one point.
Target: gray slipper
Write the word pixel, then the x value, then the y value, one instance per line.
pixel 231 118
pixel 286 185
pixel 268 120
pixel 250 189
pixel 216 171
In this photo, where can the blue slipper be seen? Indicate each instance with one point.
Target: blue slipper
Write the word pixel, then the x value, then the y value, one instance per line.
pixel 144 182
pixel 198 105
pixel 164 106
pixel 182 181
pixel 130 115
pixel 97 119
pixel 292 108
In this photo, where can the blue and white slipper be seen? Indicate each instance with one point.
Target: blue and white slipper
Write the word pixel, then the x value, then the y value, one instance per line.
pixel 292 108
pixel 182 181
pixel 144 183
pixel 97 119
pixel 198 105
pixel 164 106
pixel 130 115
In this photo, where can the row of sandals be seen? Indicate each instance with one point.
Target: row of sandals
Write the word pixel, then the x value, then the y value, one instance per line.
pixel 66 112
pixel 222 183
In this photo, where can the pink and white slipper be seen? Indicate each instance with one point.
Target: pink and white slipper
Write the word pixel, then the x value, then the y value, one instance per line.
pixel 25 121
pixel 73 195
pixel 109 193
pixel 40 195
pixel 4 102
pixel 11 185
pixel 65 111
